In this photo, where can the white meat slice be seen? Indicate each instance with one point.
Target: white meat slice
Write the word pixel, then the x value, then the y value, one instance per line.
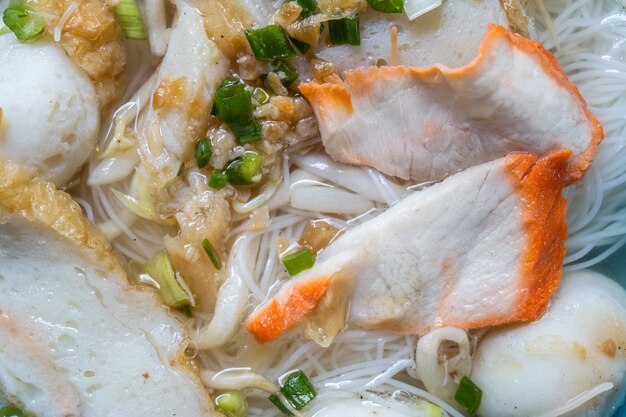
pixel 448 35
pixel 425 124
pixel 179 110
pixel 483 247
pixel 76 339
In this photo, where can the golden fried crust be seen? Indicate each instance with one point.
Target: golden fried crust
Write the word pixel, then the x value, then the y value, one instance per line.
pixel 39 201
pixel 93 39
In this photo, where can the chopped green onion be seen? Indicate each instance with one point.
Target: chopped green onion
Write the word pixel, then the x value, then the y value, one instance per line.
pixel 415 8
pixel 308 7
pixel 298 390
pixel 186 311
pixel 141 204
pixel 130 20
pixel 260 95
pixel 232 404
pixel 387 6
pixel 218 180
pixel 233 106
pixel 245 169
pixel 23 21
pixel 303 47
pixel 429 409
pixel 345 31
pixel 10 411
pixel 181 169
pixel 298 261
pixel 468 395
pixel 203 152
pixel 269 42
pixel 213 255
pixel 285 71
pixel 279 404
pixel 161 270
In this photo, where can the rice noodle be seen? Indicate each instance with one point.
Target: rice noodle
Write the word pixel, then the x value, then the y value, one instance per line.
pixel 58 29
pixel 579 400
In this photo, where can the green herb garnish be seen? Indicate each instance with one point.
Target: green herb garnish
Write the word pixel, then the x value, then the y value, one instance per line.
pixel 269 43
pixel 298 390
pixel 130 20
pixel 212 253
pixel 468 395
pixel 345 31
pixel 203 152
pixel 298 261
pixel 233 106
pixel 23 21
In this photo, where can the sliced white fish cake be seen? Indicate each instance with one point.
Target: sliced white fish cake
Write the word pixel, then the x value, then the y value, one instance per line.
pixel 448 35
pixel 76 339
pixel 179 111
pixel 483 247
pixel 577 345
pixel 425 124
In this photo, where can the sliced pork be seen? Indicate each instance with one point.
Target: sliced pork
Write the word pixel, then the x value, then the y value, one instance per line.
pixel 427 123
pixel 76 339
pixel 484 247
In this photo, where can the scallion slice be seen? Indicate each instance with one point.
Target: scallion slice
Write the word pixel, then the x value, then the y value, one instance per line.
pixel 429 409
pixel 233 106
pixel 387 6
pixel 203 152
pixel 308 7
pixel 298 390
pixel 298 261
pixel 269 42
pixel 232 404
pixel 181 169
pixel 416 8
pixel 303 47
pixel 285 71
pixel 468 395
pixel 11 411
pixel 274 399
pixel 218 179
pixel 23 21
pixel 345 31
pixel 161 270
pixel 213 255
pixel 245 169
pixel 130 20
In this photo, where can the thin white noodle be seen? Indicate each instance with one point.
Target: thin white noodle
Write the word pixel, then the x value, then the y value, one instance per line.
pixel 63 20
pixel 86 208
pixel 579 400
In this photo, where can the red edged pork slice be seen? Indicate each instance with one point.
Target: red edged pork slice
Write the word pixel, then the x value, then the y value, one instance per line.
pixel 483 247
pixel 425 124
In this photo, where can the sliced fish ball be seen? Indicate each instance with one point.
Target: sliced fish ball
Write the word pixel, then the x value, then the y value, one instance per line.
pixel 448 35
pixel 502 102
pixel 481 248
pixel 76 339
pixel 551 366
